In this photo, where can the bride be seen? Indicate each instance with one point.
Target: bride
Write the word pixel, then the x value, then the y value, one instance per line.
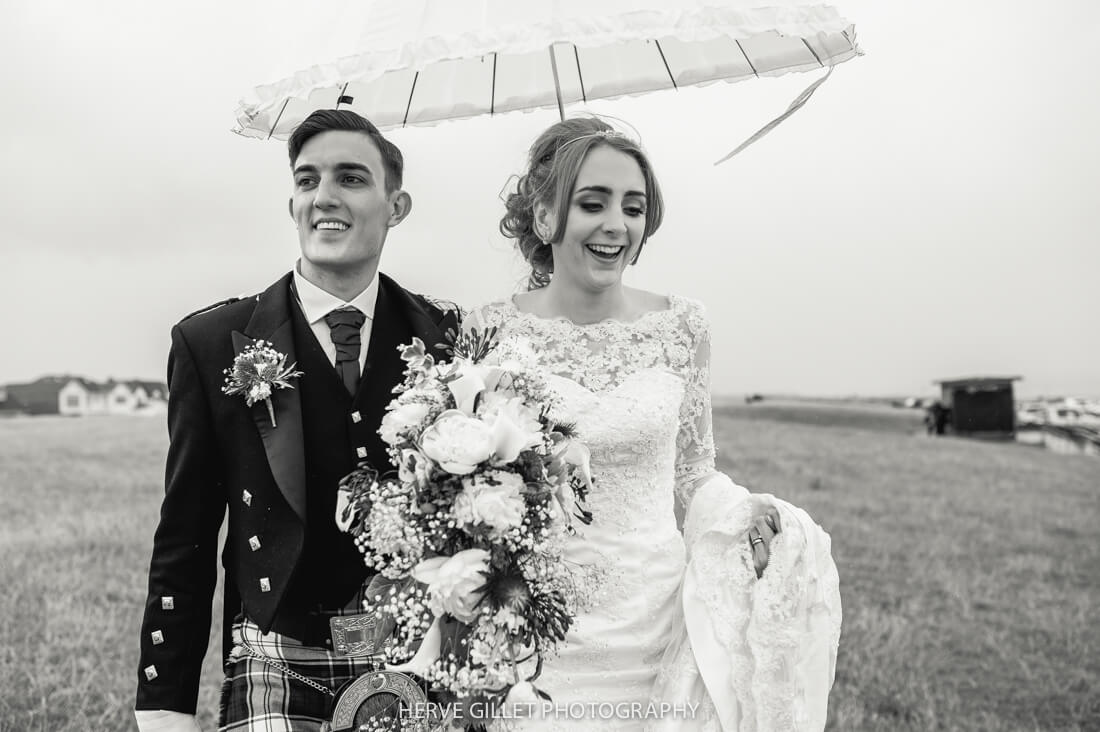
pixel 706 607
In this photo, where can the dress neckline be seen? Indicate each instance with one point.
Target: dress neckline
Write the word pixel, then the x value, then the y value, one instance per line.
pixel 510 304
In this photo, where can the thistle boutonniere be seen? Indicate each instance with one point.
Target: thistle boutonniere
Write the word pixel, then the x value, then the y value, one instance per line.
pixel 257 371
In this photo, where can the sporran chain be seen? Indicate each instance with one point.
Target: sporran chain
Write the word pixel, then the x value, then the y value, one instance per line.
pixel 280 667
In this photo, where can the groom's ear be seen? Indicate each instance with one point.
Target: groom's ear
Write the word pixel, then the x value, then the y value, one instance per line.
pixel 290 207
pixel 401 204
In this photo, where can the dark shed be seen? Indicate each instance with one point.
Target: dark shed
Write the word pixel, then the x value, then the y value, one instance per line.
pixel 982 406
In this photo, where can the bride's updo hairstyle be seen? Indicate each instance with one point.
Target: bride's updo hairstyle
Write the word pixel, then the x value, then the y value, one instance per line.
pixel 552 167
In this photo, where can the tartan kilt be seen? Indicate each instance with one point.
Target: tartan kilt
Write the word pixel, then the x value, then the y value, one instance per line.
pixel 257 697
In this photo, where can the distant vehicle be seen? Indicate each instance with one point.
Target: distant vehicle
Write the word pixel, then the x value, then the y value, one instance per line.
pixel 1063 412
pixel 1031 414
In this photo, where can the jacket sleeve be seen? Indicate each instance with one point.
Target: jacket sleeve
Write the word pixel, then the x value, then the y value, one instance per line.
pixel 183 569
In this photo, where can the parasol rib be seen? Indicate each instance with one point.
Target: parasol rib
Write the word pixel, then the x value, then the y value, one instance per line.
pixel 747 59
pixel 493 93
pixel 580 76
pixel 811 50
pixel 279 117
pixel 557 84
pixel 670 76
pixel 409 105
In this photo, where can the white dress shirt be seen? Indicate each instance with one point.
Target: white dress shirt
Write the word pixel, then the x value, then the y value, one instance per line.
pixel 316 304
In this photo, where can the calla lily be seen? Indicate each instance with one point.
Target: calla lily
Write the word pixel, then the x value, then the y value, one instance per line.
pixel 509 439
pixel 343 500
pixel 563 503
pixel 493 376
pixel 469 382
pixel 577 454
pixel 514 430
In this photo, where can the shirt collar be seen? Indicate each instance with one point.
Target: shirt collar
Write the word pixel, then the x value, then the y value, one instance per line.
pixel 317 303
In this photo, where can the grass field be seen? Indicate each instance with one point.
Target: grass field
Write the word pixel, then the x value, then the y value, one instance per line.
pixel 970 571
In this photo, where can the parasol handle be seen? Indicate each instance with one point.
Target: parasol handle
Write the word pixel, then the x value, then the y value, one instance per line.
pixel 557 84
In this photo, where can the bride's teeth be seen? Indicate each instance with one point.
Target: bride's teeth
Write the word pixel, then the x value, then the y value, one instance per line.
pixel 604 250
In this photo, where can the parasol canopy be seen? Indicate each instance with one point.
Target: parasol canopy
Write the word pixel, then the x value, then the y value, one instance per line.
pixel 417 62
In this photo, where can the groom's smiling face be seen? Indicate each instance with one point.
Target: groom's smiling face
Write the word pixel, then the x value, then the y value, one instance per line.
pixel 340 203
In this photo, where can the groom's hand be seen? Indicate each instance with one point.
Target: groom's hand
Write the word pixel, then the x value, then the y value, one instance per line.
pixel 158 720
pixel 761 534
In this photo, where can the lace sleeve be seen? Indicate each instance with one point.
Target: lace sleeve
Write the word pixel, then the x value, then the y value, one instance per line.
pixel 695 442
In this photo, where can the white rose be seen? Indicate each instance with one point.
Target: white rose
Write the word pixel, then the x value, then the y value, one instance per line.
pixel 453 582
pixel 500 507
pixel 400 418
pixel 457 442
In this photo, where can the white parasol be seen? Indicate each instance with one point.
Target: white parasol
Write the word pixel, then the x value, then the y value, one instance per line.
pixel 416 62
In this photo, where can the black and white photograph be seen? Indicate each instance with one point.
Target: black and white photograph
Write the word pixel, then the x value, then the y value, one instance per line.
pixel 519 366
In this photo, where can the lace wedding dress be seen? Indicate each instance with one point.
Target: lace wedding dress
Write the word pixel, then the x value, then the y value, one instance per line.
pixel 675 632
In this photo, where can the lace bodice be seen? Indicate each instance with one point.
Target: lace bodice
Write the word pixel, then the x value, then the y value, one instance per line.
pixel 601 356
pixel 638 393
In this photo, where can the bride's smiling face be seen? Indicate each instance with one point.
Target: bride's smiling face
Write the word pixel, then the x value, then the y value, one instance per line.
pixel 605 223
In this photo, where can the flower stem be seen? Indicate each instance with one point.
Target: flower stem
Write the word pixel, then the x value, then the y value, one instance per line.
pixel 271 411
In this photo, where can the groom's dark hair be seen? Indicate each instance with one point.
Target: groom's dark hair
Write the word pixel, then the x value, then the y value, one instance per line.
pixel 328 120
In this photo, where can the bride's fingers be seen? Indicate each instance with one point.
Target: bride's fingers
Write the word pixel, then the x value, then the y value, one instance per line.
pixel 765 529
pixel 772 517
pixel 759 549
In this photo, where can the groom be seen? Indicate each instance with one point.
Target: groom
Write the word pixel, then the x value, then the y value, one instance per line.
pixel 288 568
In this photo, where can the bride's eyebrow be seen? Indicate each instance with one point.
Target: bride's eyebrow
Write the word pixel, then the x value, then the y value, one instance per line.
pixel 607 191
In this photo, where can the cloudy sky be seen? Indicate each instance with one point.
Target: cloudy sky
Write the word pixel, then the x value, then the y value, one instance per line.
pixel 932 212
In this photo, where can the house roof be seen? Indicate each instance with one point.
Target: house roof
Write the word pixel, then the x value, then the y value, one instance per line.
pixel 149 386
pixel 979 381
pixel 45 389
pixel 40 393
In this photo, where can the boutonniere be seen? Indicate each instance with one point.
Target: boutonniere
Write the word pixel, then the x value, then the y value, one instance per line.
pixel 258 371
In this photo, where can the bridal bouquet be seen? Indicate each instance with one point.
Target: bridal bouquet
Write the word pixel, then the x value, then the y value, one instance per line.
pixel 468 533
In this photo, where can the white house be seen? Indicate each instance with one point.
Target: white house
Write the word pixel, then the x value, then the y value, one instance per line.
pixel 76 396
pixel 80 398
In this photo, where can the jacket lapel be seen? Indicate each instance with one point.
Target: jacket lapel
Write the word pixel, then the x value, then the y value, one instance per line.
pixel 427 326
pixel 284 443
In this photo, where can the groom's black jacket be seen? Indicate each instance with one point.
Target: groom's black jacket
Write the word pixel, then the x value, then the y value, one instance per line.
pixel 283 555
